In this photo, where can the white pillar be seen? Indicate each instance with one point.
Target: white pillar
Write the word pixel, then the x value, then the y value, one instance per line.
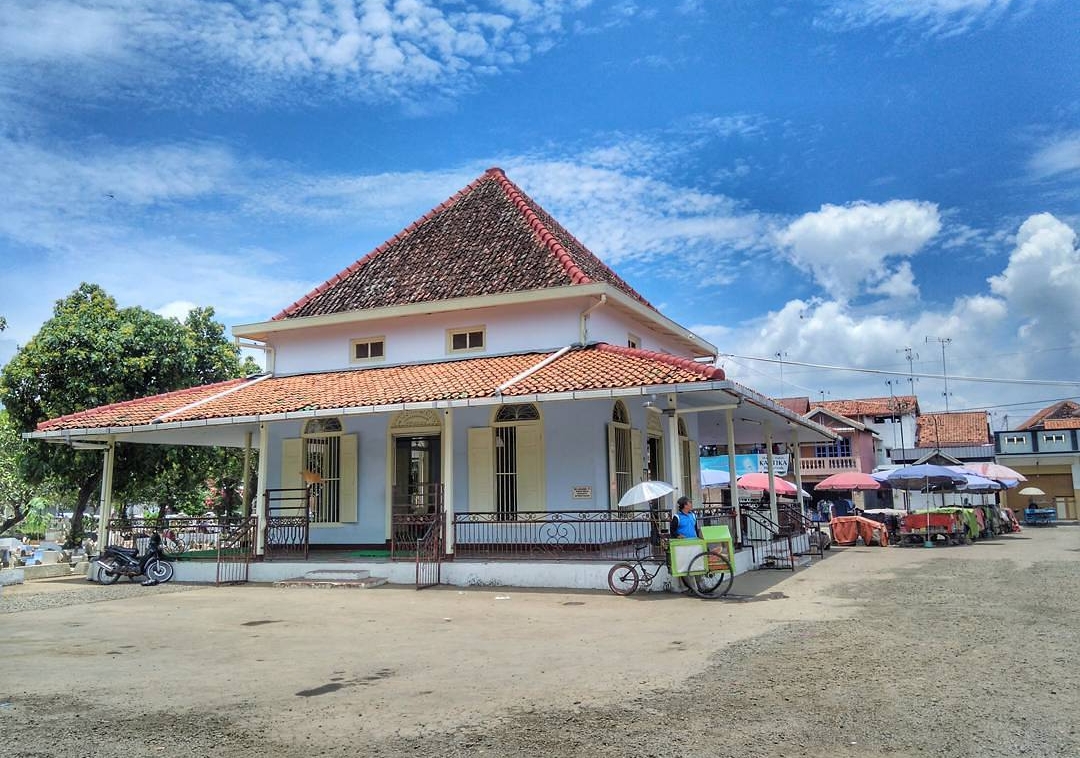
pixel 796 461
pixel 260 494
pixel 733 487
pixel 448 478
pixel 105 500
pixel 674 453
pixel 246 507
pixel 773 512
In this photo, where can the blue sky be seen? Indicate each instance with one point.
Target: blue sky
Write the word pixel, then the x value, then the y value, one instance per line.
pixel 827 180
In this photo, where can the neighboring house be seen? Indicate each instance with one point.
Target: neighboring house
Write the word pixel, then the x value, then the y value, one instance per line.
pixel 1046 449
pixel 482 366
pixel 893 419
pixel 856 448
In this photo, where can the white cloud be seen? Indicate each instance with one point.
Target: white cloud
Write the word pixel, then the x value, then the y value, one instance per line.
pixel 1025 325
pixel 177 309
pixel 371 49
pixel 935 17
pixel 1042 282
pixel 1059 156
pixel 847 247
pixel 900 285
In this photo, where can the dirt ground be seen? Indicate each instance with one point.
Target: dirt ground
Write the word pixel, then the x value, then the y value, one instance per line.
pixel 962 651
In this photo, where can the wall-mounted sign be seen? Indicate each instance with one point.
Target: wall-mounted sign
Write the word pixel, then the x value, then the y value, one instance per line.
pixel 747 464
pixel 581 492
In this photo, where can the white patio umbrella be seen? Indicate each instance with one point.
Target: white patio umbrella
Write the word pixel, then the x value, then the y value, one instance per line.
pixel 995 471
pixel 714 478
pixel 1031 492
pixel 644 492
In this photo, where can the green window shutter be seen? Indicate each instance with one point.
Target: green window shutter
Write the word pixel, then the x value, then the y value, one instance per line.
pixel 481 470
pixel 349 471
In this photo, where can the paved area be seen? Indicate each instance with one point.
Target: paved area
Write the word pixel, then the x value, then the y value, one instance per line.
pixel 964 651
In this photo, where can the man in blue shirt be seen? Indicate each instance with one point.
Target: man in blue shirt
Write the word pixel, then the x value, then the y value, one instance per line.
pixel 684 523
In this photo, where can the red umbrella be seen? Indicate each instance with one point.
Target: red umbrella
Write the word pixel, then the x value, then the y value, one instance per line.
pixel 849 480
pixel 761 482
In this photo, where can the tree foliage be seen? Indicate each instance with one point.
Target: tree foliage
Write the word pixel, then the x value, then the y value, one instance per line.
pixel 91 353
pixel 15 491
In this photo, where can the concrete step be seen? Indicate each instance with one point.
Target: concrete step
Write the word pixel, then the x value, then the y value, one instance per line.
pixel 332 579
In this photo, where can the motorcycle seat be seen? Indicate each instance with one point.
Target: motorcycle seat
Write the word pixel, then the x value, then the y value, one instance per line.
pixel 132 551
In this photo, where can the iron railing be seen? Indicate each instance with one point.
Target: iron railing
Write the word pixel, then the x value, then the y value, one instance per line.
pixel 429 555
pixel 557 535
pixel 287 531
pixel 769 547
pixel 235 549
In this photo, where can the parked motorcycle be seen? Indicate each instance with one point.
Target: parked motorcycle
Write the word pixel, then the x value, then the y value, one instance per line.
pixel 116 562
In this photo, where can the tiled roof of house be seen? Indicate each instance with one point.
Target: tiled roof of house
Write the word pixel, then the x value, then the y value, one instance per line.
pixel 1066 409
pixel 490 238
pixel 589 368
pixel 799 405
pixel 1062 423
pixel 141 411
pixel 952 429
pixel 870 406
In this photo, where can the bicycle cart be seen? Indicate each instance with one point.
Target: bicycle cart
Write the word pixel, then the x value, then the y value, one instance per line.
pixel 704 565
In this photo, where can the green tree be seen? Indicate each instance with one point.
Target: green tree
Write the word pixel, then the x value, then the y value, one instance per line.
pixel 92 352
pixel 15 491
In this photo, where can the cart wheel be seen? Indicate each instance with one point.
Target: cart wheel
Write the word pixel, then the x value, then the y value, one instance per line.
pixel 715 577
pixel 622 579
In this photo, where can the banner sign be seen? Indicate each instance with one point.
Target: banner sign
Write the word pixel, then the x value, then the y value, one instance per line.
pixel 747 464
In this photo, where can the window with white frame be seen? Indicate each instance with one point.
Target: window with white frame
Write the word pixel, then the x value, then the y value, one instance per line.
pixel 622 458
pixel 1014 440
pixel 1052 438
pixel 633 341
pixel 368 349
pixel 467 340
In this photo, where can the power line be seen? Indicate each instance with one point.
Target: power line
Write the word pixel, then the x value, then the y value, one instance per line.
pixel 907 374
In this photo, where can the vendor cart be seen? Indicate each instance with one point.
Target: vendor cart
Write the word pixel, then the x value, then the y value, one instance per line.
pixel 945 525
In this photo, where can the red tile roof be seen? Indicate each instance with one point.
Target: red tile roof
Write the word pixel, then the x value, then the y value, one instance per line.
pixel 952 429
pixel 870 406
pixel 1062 423
pixel 1066 409
pixel 141 411
pixel 490 238
pixel 799 405
pixel 597 367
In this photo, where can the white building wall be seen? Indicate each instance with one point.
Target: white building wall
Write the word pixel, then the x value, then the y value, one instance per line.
pixel 509 329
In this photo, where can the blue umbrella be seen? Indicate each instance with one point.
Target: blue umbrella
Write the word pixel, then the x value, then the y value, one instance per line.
pixel 925 476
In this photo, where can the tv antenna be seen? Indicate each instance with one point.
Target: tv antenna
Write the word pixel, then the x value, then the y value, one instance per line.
pixel 944 373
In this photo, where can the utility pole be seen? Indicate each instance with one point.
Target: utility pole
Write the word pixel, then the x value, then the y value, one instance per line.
pixel 780 356
pixel 894 406
pixel 944 373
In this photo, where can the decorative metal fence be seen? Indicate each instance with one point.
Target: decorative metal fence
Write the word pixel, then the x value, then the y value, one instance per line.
pixel 557 535
pixel 288 524
pixel 228 540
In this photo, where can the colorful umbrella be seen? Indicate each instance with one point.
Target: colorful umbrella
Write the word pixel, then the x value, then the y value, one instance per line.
pixel 848 480
pixel 995 471
pixel 761 482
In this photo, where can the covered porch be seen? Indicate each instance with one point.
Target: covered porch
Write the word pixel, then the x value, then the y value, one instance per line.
pixel 509 475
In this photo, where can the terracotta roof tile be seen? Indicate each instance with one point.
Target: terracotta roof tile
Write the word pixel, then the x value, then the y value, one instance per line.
pixel 1062 423
pixel 597 367
pixel 141 411
pixel 870 406
pixel 489 238
pixel 799 405
pixel 952 429
pixel 1064 410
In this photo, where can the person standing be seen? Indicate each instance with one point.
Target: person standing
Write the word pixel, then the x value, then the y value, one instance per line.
pixel 684 524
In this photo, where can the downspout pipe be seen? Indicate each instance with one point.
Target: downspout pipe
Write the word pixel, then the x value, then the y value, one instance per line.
pixel 583 330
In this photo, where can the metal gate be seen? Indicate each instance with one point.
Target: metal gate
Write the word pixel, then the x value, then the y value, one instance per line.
pixel 236 546
pixel 429 553
pixel 288 524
